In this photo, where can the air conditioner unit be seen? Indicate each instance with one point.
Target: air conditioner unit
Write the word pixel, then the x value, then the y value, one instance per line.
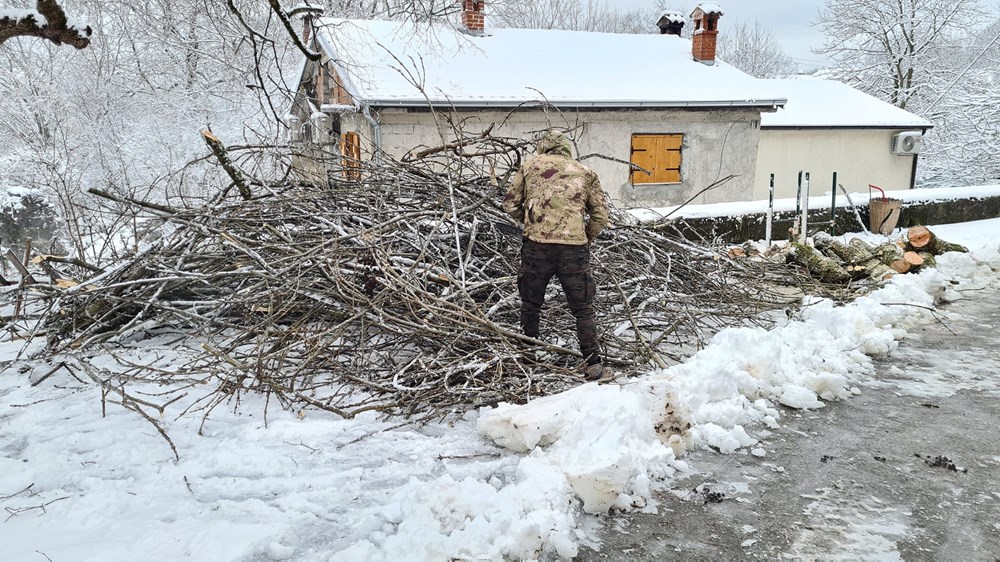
pixel 907 142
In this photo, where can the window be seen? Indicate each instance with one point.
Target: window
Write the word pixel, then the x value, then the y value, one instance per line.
pixel 660 154
pixel 350 149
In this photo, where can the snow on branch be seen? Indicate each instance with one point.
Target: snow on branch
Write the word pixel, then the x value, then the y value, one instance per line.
pixel 47 21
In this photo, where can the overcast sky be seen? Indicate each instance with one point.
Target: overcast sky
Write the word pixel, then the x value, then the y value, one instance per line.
pixel 789 20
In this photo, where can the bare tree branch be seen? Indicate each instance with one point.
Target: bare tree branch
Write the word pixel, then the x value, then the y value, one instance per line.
pixel 47 21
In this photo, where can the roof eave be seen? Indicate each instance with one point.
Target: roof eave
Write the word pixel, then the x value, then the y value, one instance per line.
pixel 846 127
pixel 570 104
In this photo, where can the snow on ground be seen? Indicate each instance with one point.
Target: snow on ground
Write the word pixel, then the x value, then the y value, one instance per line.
pixel 85 479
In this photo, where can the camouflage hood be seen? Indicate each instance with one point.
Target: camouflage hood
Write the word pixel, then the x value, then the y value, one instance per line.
pixel 555 143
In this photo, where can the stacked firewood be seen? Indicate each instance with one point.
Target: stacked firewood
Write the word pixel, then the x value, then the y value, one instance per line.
pixel 833 261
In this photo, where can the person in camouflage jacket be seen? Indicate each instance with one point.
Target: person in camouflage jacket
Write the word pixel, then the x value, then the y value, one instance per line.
pixel 552 195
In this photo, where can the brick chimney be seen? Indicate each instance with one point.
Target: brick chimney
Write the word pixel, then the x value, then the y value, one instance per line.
pixel 671 22
pixel 309 14
pixel 472 16
pixel 706 31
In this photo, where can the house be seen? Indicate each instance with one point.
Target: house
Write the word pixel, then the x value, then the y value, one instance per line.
pixel 659 101
pixel 827 127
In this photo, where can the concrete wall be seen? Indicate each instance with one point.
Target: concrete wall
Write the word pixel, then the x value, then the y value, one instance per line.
pixel 860 157
pixel 716 144
pixel 752 226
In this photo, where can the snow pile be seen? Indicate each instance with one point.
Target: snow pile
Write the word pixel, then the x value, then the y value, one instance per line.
pixel 599 436
pixel 469 519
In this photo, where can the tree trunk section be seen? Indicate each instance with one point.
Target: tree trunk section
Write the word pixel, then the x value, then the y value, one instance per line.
pixel 819 266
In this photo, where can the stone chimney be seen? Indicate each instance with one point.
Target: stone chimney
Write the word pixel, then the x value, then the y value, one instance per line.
pixel 671 22
pixel 706 31
pixel 472 16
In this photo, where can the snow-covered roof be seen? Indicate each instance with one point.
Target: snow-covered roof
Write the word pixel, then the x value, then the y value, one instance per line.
pixel 673 16
pixel 381 61
pixel 709 8
pixel 815 102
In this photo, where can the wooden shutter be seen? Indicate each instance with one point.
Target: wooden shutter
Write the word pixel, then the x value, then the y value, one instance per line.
pixel 660 154
pixel 350 149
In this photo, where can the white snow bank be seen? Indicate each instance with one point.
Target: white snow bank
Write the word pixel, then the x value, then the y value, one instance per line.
pixel 599 436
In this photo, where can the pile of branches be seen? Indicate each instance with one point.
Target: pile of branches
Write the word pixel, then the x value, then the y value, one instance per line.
pixel 394 290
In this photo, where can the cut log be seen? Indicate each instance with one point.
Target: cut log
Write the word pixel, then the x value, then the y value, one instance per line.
pixel 852 254
pixel 909 262
pixel 819 266
pixel 918 236
pixel 929 260
pixel 914 259
pixel 881 272
pixel 736 252
pixel 921 239
pixel 900 266
pixel 887 252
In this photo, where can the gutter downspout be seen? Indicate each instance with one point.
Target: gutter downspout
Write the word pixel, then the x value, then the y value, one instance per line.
pixel 366 111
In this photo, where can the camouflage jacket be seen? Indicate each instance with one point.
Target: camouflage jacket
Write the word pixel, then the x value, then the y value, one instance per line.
pixel 552 195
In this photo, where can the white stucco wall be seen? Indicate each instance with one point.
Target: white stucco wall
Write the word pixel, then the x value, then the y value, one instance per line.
pixel 716 144
pixel 859 156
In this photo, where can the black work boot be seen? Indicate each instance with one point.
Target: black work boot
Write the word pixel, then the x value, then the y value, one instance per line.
pixel 597 372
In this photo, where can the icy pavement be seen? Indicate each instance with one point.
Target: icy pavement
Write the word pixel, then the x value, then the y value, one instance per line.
pixel 908 470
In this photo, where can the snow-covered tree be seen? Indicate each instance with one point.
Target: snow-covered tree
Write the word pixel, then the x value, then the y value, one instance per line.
pixel 124 115
pixel 575 15
pixel 754 49
pixel 891 49
pixel 964 105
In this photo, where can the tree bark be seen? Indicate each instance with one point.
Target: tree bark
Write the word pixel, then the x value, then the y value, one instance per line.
pixel 819 266
pixel 222 155
pixel 921 239
pixel 48 21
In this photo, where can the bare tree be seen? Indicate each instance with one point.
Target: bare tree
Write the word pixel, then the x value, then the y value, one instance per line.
pixel 576 15
pixel 47 21
pixel 964 105
pixel 754 49
pixel 420 10
pixel 126 117
pixel 888 49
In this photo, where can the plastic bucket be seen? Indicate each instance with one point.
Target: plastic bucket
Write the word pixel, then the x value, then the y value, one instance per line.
pixel 884 214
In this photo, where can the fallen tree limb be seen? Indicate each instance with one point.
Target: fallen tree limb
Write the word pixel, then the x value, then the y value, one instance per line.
pixel 232 170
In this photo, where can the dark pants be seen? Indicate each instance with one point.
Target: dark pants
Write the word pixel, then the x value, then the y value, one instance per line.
pixel 571 264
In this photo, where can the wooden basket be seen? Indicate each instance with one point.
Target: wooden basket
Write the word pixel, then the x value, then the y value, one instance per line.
pixel 884 214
